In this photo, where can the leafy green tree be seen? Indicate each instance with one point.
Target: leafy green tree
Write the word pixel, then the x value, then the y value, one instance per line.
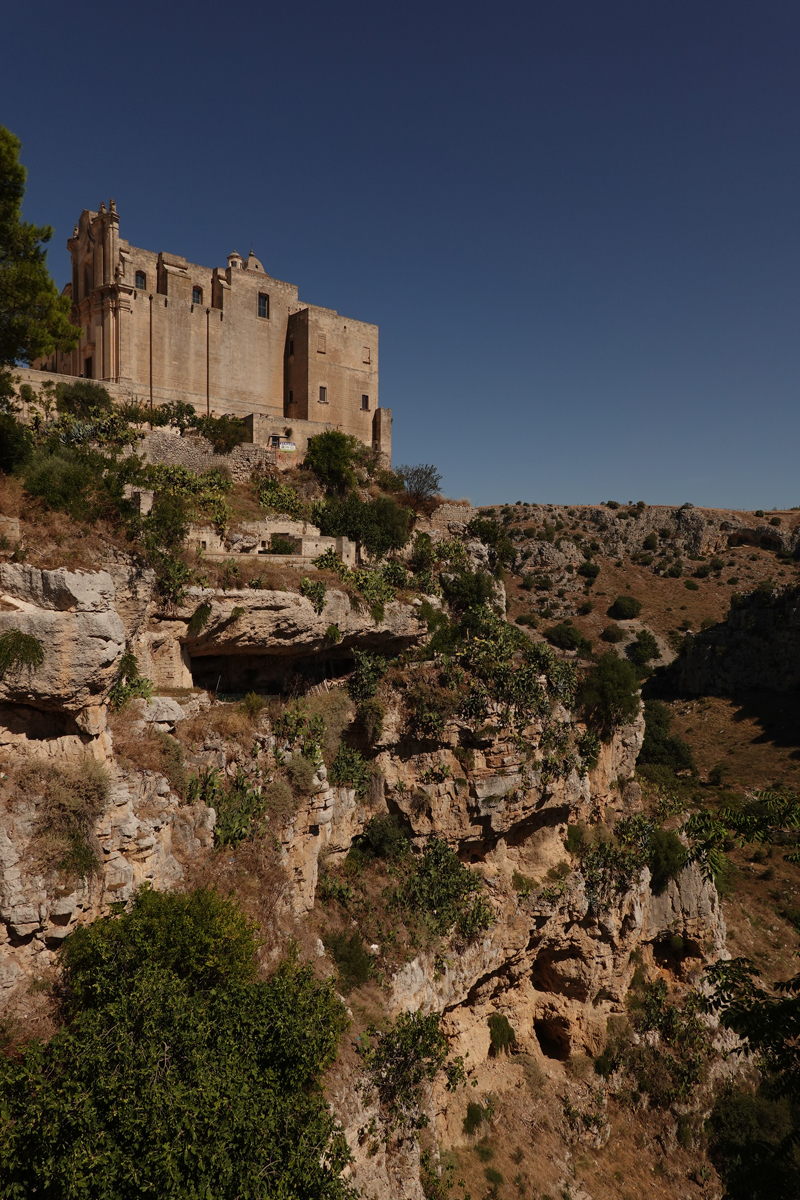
pixel 609 693
pixel 400 1060
pixel 34 318
pixel 178 1074
pixel 330 455
pixel 379 525
pixel 421 483
pixel 82 398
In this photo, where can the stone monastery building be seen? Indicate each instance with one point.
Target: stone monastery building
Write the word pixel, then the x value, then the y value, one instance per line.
pixel 226 339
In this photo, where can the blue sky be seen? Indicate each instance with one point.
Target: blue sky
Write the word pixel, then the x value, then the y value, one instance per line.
pixel 575 222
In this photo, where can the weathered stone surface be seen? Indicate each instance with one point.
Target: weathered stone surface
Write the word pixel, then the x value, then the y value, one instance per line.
pixel 72 615
pixel 138 834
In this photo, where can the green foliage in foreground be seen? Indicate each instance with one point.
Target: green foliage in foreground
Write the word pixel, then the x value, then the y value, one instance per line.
pixel 178 1075
pixel 443 892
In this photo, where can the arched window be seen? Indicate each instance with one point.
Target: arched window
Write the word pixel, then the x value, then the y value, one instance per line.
pixel 140 281
pixel 197 295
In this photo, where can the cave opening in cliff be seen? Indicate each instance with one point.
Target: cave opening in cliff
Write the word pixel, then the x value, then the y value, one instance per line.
pixel 238 674
pixel 552 1034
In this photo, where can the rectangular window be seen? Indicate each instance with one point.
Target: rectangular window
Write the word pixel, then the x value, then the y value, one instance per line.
pixel 263 304
pixel 140 281
pixel 321 344
pixel 365 403
pixel 87 368
pixel 365 354
pixel 291 396
pixel 197 295
pixel 323 395
pixel 291 347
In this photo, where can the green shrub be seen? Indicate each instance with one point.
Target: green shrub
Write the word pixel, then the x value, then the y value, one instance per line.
pixel 659 747
pixel 467 589
pixel 62 479
pixel 300 771
pixel 281 545
pixel 18 649
pixel 225 433
pixel 690 585
pixel 589 571
pixel 198 620
pixel 613 634
pixel 667 856
pixel 501 1033
pixel 643 649
pixel 82 398
pixel 279 497
pixel 16 443
pixel 279 801
pixel 333 635
pixel 330 455
pixel 585 608
pixel 351 957
pixel 351 771
pixel 566 636
pixel 315 592
pixel 474 1118
pixel 493 1176
pixel 750 1135
pixel 253 705
pixel 129 683
pixel 650 542
pixel 400 1060
pixel 240 810
pixel 384 837
pixel 368 672
pixel 608 693
pixel 439 887
pixel 625 608
pixel 370 715
pixel 529 619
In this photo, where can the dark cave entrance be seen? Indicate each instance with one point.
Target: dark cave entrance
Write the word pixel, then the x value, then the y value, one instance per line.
pixel 552 1034
pixel 270 674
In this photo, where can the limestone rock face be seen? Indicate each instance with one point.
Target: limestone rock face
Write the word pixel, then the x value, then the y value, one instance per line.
pixel 559 969
pixel 145 835
pixel 72 615
pixel 283 623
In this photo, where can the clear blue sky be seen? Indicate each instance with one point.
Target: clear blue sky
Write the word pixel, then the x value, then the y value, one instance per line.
pixel 577 223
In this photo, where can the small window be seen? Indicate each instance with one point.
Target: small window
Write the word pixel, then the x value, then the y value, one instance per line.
pixel 263 304
pixel 365 354
pixel 197 295
pixel 291 347
pixel 140 280
pixel 323 395
pixel 365 403
pixel 321 344
pixel 291 396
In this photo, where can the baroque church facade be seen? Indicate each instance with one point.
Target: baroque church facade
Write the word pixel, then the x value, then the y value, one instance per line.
pixel 226 339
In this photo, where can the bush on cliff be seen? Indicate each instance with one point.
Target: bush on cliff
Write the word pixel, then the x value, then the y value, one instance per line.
pixel 609 693
pixel 659 747
pixel 177 1072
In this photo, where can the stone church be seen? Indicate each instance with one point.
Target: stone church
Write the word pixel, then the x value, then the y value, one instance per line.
pixel 226 339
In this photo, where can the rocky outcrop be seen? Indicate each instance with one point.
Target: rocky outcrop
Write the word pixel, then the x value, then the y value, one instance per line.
pixel 558 969
pixel 757 648
pixel 250 638
pixel 71 615
pixel 145 835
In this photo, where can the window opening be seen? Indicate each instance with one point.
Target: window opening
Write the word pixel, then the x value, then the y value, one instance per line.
pixel 263 304
pixel 140 280
pixel 365 354
pixel 197 295
pixel 321 344
pixel 365 403
pixel 291 396
pixel 323 395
